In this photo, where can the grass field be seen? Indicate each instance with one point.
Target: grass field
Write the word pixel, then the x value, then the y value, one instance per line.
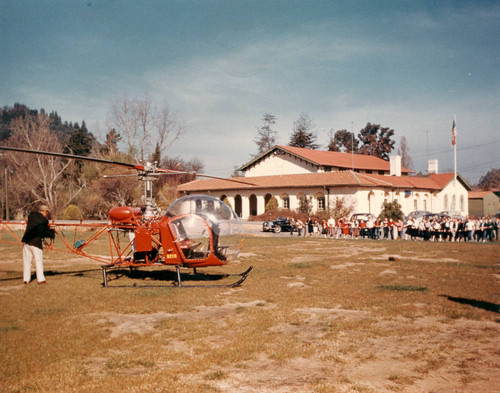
pixel 315 315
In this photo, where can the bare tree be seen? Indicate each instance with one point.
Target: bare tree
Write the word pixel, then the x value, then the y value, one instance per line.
pixel 37 176
pixel 144 124
pixel 404 152
pixel 124 119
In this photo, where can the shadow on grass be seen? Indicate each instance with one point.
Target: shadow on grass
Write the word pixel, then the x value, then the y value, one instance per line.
pixel 52 273
pixel 493 307
pixel 161 276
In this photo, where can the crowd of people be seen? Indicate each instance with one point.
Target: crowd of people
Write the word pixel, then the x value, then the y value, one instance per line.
pixel 428 228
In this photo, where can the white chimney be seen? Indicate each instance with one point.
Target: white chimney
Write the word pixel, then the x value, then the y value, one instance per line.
pixel 432 166
pixel 395 165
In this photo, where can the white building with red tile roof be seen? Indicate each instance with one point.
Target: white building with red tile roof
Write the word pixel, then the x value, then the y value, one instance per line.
pixel 365 182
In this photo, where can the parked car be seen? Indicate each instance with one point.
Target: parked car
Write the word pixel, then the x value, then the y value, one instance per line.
pixel 280 225
pixel 361 217
pixel 418 214
pixel 452 214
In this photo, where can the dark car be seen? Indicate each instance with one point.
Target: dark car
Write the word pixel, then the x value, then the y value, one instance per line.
pixel 280 225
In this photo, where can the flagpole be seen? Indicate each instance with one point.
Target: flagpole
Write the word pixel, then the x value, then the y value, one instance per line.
pixel 455 159
pixel 455 150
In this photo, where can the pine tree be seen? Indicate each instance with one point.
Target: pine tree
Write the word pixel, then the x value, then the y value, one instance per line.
pixel 303 134
pixel 267 137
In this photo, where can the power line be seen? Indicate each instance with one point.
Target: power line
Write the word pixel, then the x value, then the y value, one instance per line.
pixel 460 149
pixel 479 166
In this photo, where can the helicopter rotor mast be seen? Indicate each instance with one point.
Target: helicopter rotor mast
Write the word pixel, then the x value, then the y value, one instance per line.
pixel 148 176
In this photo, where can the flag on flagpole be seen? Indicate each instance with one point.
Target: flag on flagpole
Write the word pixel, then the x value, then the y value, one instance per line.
pixel 454 133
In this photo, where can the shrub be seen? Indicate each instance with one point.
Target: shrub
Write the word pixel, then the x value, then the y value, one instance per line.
pixel 226 201
pixel 391 210
pixel 272 204
pixel 72 212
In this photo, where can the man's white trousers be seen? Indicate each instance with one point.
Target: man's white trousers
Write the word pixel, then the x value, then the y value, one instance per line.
pixel 30 253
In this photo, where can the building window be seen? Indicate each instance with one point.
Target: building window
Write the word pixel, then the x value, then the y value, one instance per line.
pixel 415 205
pixel 321 203
pixel 425 204
pixel 286 203
pixel 446 205
pixel 369 171
pixel 381 172
pixel 462 208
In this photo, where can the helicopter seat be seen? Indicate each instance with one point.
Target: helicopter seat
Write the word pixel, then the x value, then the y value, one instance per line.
pixel 220 252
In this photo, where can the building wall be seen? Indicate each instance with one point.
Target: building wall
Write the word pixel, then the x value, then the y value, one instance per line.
pixel 476 207
pixel 363 200
pixel 453 198
pixel 287 164
pixel 280 164
pixel 487 206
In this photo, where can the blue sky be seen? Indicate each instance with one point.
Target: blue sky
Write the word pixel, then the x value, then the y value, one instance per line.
pixel 220 65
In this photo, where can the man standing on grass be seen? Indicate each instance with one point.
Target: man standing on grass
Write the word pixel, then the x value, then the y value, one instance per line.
pixel 37 228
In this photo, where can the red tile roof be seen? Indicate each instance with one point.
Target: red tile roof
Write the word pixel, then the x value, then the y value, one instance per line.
pixel 479 194
pixel 333 159
pixel 329 179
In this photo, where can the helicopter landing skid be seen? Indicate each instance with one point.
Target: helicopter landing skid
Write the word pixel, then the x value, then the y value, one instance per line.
pixel 178 284
pixel 243 277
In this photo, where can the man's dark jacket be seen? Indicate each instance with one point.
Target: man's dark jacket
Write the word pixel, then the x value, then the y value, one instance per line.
pixel 36 229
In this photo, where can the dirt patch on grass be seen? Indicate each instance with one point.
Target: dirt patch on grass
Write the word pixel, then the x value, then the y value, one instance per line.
pixel 408 360
pixel 120 324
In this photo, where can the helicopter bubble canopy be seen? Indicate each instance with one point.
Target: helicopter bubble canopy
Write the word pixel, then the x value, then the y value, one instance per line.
pixel 226 227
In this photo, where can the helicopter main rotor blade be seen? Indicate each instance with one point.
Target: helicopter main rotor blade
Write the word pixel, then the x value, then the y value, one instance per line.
pixel 74 157
pixel 132 166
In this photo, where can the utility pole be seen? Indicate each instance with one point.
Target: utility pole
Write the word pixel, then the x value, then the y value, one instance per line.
pixel 6 194
pixel 352 145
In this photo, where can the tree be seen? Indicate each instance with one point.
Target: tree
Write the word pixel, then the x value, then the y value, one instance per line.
pixel 272 204
pixel 166 187
pixel 8 114
pixel 38 177
pixel 404 152
pixel 143 124
pixel 341 208
pixel 376 141
pixel 343 141
pixel 305 205
pixel 266 136
pixel 303 134
pixel 80 141
pixel 491 180
pixel 391 210
pixel 111 143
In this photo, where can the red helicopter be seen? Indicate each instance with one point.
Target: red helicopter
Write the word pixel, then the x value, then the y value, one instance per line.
pixel 196 230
